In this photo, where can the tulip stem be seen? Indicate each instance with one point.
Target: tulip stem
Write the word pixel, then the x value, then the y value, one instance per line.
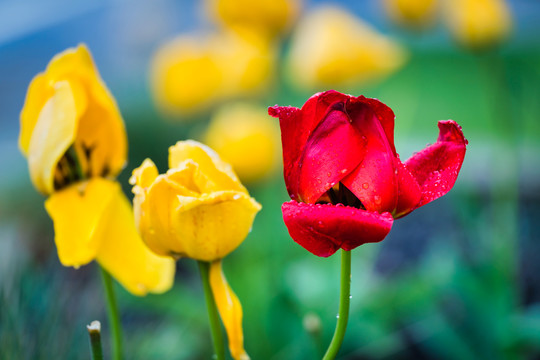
pixel 343 312
pixel 112 312
pixel 215 325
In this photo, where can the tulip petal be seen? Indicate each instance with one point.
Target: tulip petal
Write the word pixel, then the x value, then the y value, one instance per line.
pixel 384 114
pixel 211 225
pixel 141 179
pixel 436 167
pixel 124 255
pixel 323 229
pixel 373 182
pixel 296 127
pixel 53 133
pixel 209 162
pixel 230 310
pixel 77 213
pixel 334 149
pixel 409 192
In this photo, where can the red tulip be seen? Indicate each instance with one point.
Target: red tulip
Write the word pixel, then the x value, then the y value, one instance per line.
pixel 345 179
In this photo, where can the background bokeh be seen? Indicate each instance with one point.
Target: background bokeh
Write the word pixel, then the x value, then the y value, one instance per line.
pixel 456 279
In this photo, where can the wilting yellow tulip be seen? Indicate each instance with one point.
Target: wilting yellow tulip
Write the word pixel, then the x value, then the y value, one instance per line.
pixel 332 48
pixel 269 17
pixel 74 138
pixel 192 72
pixel 412 13
pixel 197 209
pixel 478 24
pixel 247 138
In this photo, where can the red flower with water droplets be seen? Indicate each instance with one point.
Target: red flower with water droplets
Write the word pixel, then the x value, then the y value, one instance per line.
pixel 345 179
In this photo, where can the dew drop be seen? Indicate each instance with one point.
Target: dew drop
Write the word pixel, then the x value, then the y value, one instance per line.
pixel 365 185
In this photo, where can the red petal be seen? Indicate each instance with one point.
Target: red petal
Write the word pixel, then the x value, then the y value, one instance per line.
pixel 409 192
pixel 296 127
pixel 374 181
pixel 323 229
pixel 437 166
pixel 385 115
pixel 333 150
pixel 289 120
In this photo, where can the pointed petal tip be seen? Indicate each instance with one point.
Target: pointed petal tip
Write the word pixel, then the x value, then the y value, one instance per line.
pixel 449 130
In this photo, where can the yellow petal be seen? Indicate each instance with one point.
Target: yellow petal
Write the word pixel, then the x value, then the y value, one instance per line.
pixel 37 95
pixel 230 310
pixel 101 128
pixel 144 175
pixel 77 212
pixel 209 163
pixel 152 207
pixel 52 134
pixel 124 255
pixel 211 226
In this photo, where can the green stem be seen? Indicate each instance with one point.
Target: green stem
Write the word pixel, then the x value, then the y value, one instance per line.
pixel 94 332
pixel 344 301
pixel 215 326
pixel 112 312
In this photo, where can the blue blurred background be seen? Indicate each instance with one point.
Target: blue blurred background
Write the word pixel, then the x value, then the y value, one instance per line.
pixel 456 279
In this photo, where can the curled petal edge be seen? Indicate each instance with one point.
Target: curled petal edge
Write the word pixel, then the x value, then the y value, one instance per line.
pixel 322 229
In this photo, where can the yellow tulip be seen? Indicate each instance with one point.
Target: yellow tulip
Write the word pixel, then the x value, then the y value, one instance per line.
pixel 246 137
pixel 332 48
pixel 192 72
pixel 197 209
pixel 270 17
pixel 412 13
pixel 74 138
pixel 478 24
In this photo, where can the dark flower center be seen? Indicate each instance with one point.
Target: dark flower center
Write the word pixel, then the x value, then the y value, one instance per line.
pixel 339 194
pixel 70 168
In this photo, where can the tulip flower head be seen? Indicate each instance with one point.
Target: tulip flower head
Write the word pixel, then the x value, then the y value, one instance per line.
pixel 197 209
pixel 193 72
pixel 268 17
pixel 74 138
pixel 345 179
pixel 478 24
pixel 416 14
pixel 331 47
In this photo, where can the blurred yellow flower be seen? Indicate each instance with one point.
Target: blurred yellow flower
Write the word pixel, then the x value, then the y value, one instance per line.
pixel 332 48
pixel 192 72
pixel 412 13
pixel 246 137
pixel 197 209
pixel 270 17
pixel 478 24
pixel 74 138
